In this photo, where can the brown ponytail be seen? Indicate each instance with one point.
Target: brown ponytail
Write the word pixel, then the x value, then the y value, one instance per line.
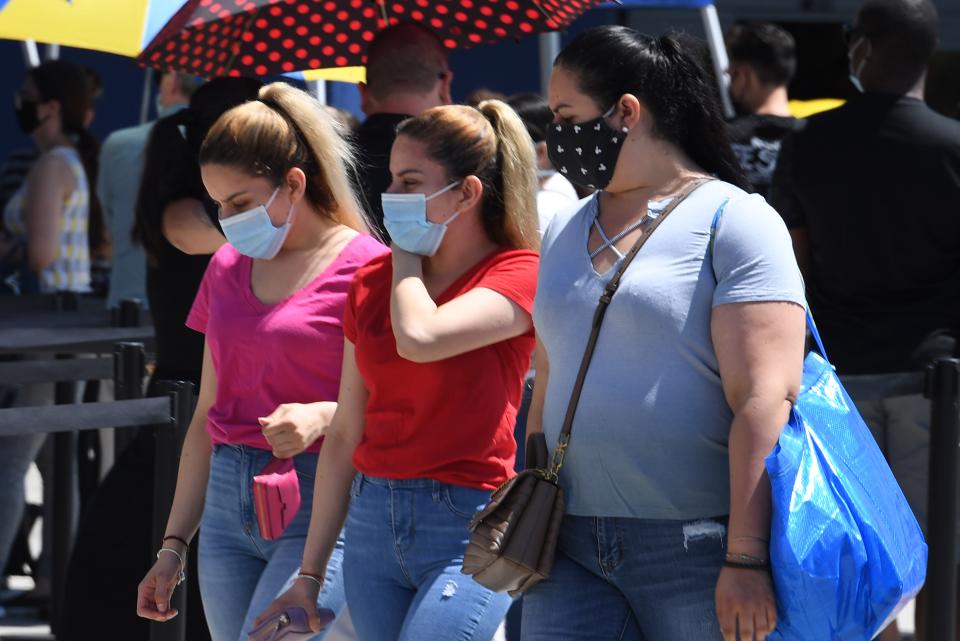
pixel 491 143
pixel 288 128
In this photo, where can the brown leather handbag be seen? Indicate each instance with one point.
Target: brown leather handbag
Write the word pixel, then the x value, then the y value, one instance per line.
pixel 513 539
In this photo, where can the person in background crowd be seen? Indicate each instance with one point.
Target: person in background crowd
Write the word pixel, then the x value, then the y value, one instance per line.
pixel 101 243
pixel 121 166
pixel 95 87
pixel 270 308
pixel 438 340
pixel 407 73
pixel 556 192
pixel 111 557
pixel 871 194
pixel 346 119
pixel 47 217
pixel 50 213
pixel 13 173
pixel 763 61
pixel 482 94
pixel 696 363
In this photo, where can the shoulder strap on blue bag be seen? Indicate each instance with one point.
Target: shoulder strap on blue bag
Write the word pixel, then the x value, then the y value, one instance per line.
pixel 811 326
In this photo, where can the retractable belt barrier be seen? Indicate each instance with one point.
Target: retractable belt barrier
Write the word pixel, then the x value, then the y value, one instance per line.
pixel 169 415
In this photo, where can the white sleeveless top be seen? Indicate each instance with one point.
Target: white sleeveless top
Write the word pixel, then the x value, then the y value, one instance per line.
pixel 70 270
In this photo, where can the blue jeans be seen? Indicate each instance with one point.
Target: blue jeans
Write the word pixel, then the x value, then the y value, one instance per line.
pixel 619 579
pixel 16 454
pixel 402 565
pixel 241 573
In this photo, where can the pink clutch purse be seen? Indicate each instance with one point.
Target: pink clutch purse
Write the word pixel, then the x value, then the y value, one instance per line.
pixel 276 497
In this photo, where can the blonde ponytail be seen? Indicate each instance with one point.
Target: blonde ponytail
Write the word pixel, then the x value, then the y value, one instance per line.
pixel 518 173
pixel 492 144
pixel 288 128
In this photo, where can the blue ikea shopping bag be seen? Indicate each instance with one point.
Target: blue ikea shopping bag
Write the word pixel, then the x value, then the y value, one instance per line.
pixel 846 551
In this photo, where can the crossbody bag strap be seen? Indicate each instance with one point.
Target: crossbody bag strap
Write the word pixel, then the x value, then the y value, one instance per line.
pixel 598 315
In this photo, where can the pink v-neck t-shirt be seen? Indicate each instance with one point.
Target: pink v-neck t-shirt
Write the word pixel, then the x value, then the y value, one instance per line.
pixel 267 355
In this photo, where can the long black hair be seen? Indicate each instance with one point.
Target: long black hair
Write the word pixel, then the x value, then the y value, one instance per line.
pixel 665 75
pixel 171 169
pixel 68 84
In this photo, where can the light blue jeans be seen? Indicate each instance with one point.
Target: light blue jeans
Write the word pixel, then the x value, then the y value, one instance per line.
pixel 619 579
pixel 402 564
pixel 16 454
pixel 240 572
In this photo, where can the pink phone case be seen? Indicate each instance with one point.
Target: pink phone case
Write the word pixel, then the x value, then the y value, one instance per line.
pixel 276 496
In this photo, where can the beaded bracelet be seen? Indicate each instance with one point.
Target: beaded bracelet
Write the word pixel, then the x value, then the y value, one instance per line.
pixel 737 557
pixel 763 567
pixel 174 537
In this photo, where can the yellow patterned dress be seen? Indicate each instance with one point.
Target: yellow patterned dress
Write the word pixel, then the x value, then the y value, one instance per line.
pixel 70 270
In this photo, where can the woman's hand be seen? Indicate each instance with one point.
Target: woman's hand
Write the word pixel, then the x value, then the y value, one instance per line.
pixel 302 594
pixel 293 427
pixel 406 263
pixel 745 600
pixel 154 592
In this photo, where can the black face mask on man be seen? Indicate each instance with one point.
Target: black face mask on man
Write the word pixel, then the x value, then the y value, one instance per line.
pixel 27 117
pixel 586 153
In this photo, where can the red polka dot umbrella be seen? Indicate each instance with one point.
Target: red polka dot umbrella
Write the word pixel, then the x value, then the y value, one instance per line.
pixel 260 37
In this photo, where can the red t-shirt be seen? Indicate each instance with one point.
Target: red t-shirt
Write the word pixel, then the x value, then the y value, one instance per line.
pixel 450 420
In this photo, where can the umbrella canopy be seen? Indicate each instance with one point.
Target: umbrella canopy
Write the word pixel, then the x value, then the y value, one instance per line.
pixel 114 26
pixel 261 37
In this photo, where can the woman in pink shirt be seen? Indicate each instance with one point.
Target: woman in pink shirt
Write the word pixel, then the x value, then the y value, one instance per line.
pixel 270 306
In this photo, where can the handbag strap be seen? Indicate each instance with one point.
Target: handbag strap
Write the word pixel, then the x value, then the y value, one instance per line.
pixel 598 315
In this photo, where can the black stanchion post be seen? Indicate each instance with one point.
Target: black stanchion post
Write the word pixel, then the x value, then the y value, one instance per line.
pixel 64 472
pixel 943 390
pixel 129 315
pixel 166 463
pixel 128 369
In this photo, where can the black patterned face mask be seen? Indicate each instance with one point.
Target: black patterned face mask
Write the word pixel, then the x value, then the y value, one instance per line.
pixel 586 153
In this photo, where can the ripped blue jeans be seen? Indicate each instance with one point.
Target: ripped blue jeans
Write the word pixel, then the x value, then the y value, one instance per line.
pixel 402 566
pixel 620 579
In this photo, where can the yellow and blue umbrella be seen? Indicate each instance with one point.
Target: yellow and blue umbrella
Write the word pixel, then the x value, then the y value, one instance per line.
pixel 124 27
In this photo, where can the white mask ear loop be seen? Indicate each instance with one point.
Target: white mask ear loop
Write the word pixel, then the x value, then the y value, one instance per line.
pixel 453 217
pixel 272 197
pixel 609 113
pixel 270 202
pixel 863 62
pixel 444 190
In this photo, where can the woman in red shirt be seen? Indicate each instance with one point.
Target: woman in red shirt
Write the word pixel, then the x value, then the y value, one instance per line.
pixel 438 339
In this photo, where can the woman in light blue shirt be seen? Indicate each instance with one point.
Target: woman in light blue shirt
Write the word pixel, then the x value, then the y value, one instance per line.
pixel 698 360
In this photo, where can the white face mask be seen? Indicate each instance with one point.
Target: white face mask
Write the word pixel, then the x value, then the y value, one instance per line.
pixel 405 217
pixel 252 232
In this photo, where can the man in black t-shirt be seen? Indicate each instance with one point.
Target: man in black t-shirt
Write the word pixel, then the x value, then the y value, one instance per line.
pixel 762 63
pixel 407 73
pixel 871 194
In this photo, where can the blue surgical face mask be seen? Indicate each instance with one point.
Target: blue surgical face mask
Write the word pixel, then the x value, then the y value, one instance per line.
pixel 252 232
pixel 405 217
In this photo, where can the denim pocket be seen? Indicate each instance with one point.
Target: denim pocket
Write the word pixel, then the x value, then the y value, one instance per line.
pixel 306 466
pixel 464 502
pixel 356 484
